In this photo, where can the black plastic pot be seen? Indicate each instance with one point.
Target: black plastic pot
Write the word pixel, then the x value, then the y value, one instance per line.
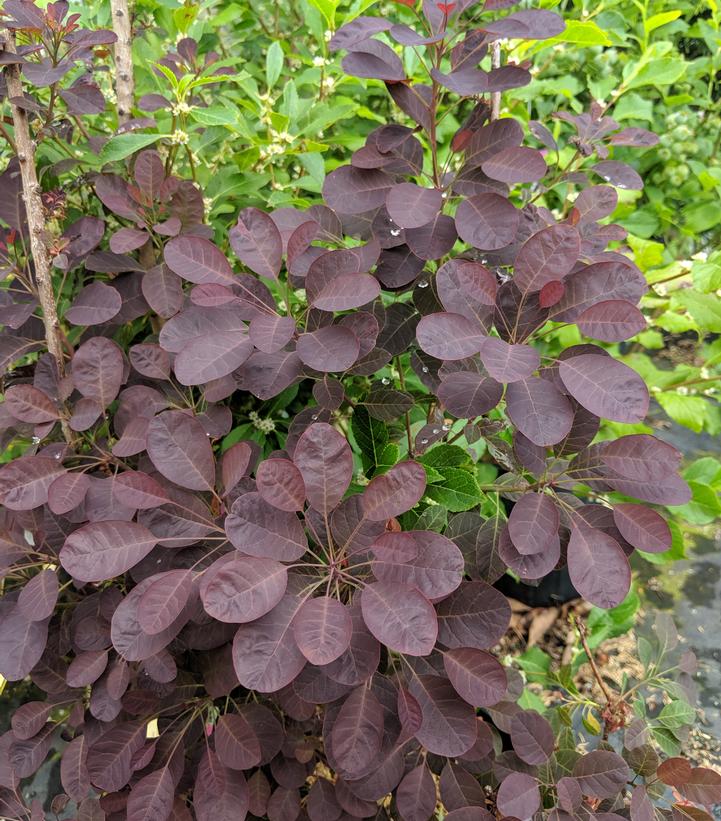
pixel 554 589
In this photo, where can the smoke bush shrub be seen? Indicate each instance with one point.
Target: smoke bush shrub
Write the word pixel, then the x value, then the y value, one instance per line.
pixel 222 627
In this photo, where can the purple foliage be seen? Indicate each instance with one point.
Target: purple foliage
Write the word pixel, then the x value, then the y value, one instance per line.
pixel 288 611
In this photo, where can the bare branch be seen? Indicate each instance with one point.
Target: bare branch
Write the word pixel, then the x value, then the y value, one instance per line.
pixel 124 80
pixel 25 148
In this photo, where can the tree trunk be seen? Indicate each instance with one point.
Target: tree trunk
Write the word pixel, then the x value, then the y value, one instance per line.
pixel 25 148
pixel 124 81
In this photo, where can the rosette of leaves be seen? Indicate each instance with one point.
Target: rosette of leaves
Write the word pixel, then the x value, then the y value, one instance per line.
pixel 304 631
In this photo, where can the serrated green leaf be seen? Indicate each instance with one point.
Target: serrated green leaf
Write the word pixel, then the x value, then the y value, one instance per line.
pixel 445 456
pixel 458 491
pixel 371 437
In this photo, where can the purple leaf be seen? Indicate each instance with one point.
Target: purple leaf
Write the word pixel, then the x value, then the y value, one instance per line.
pixel 349 190
pixel 518 796
pixel 356 31
pixel 198 260
pixel 533 523
pixel 474 615
pixel 598 566
pixel 280 483
pixel 347 291
pixel 265 655
pixel 123 242
pixel 515 165
pixel 325 462
pixel 163 290
pixel 164 600
pixel 261 530
pixel 257 242
pixel 150 360
pixel 360 660
pixel 477 676
pixel 236 463
pixel 601 774
pixel 605 387
pixel 22 642
pixel 433 240
pixel 642 457
pixel 25 483
pixel 179 448
pixel 372 59
pixel 467 288
pixel 243 588
pixel 236 743
pixel 642 527
pixel 449 336
pixel 86 668
pixel 449 723
pixel 411 206
pixel 436 570
pixel 529 24
pixel 95 304
pixel 596 202
pixel 532 737
pixel 135 489
pixel 97 370
pixel 109 758
pixel 611 321
pixel 330 348
pixel 416 795
pixel 703 787
pixel 37 599
pixel 270 333
pixel 487 221
pixel 508 363
pixel 467 395
pixel 596 283
pixel 547 256
pixel 400 617
pixel 29 404
pixel 322 629
pixel 151 798
pixel 73 768
pixel 394 492
pixel 102 550
pixel 619 174
pixel 220 793
pixel 149 173
pixel 357 733
pixel 539 410
pixel 533 565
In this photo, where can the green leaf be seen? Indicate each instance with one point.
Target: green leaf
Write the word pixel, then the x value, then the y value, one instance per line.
pixel 657 72
pixel 388 457
pixel 371 437
pixel 273 63
pixel 676 714
pixel 704 308
pixel 531 701
pixel 215 115
pixel 434 517
pixel 704 506
pixel 122 146
pixel 707 274
pixel 459 490
pixel 535 664
pixel 327 9
pixel 657 20
pixel 445 456
pixel 666 740
pixel 689 411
